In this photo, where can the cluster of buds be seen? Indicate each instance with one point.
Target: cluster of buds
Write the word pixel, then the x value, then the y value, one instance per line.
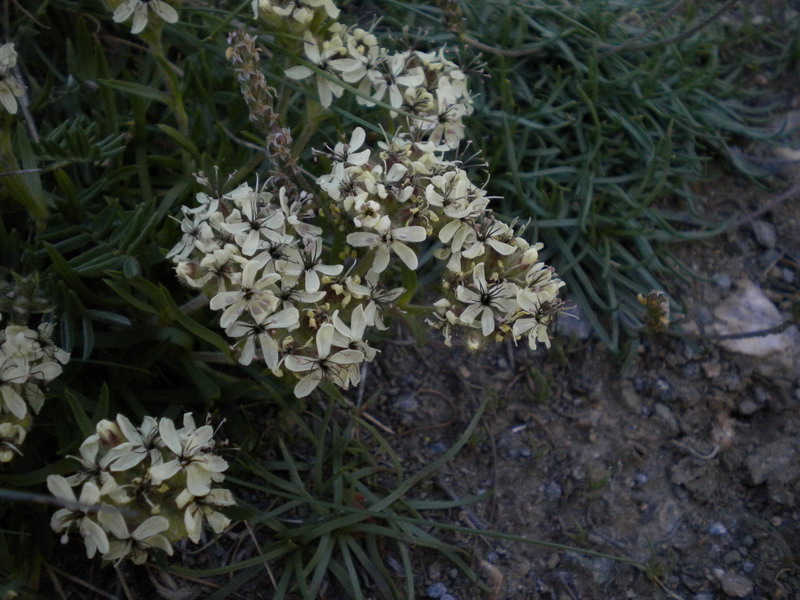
pixel 29 360
pixel 142 488
pixel 428 90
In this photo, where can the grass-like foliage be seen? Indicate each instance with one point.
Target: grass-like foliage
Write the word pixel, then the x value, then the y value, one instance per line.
pixel 595 111
pixel 589 114
pixel 333 511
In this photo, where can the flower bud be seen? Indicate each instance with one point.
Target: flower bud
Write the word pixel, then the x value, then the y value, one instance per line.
pixel 109 433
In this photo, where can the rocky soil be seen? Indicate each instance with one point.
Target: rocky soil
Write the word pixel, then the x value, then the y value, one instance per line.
pixel 688 462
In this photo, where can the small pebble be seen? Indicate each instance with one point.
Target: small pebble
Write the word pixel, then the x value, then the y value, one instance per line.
pixel 438 447
pixel 723 280
pixel 691 371
pixel 447 597
pixel 765 233
pixel 711 369
pixel 552 491
pixel 762 395
pixel 718 529
pixel 407 403
pixel 703 315
pixel 748 407
pixel 748 566
pixel 768 259
pixel 640 478
pixel 788 275
pixel 493 557
pixel 436 590
pixel 731 557
pixel 735 586
pixel 664 390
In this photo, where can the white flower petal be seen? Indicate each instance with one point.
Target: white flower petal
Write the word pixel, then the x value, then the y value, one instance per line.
pixel 406 254
pixel 308 384
pixel 60 488
pixel 166 429
pixel 111 518
pixel 150 527
pixel 165 11
pixel 298 72
pixel 362 238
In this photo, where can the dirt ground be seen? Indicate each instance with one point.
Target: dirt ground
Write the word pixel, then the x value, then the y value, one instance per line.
pixel 689 462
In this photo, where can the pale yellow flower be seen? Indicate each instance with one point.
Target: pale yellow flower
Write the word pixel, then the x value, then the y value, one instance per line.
pixel 10 88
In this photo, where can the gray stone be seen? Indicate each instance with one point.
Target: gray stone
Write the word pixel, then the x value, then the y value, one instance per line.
pixel 436 590
pixel 663 388
pixel 552 491
pixel 666 415
pixel 601 570
pixel 765 233
pixel 747 310
pixel 748 408
pixel 723 280
pixel 407 403
pixel 768 259
pixel 735 585
pixel 779 492
pixel 630 398
pixel 731 557
pixel 718 529
pixel 438 447
pixel 775 460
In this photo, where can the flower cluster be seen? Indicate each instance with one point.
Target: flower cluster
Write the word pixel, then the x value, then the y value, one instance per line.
pixel 10 88
pixel 427 89
pixel 406 191
pixel 29 360
pixel 142 488
pixel 257 257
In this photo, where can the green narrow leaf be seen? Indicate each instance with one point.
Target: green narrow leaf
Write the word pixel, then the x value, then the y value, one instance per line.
pixel 131 299
pixel 81 418
pixel 193 326
pixel 69 275
pixel 182 141
pixel 88 338
pixel 101 410
pixel 136 89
